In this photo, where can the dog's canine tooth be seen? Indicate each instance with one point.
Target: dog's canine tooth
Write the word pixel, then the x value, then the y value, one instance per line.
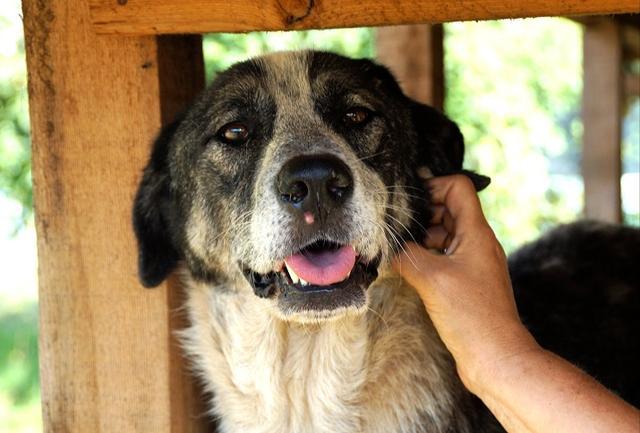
pixel 303 282
pixel 294 277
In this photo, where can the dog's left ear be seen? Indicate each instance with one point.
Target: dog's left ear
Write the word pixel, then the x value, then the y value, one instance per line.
pixel 157 256
pixel 441 145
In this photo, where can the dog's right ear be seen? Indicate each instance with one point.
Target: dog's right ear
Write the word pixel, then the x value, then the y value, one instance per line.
pixel 157 256
pixel 441 145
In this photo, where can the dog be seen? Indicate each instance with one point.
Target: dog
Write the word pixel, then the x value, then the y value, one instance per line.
pixel 281 194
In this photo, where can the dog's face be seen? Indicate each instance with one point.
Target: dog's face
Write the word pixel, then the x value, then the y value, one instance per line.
pixel 293 175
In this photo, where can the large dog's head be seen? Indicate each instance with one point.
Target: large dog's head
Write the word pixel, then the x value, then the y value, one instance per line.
pixel 293 175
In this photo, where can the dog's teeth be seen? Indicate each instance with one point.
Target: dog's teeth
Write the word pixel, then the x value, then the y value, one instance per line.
pixel 303 282
pixel 294 277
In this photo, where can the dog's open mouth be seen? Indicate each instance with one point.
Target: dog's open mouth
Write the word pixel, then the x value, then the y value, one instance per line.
pixel 315 272
pixel 320 264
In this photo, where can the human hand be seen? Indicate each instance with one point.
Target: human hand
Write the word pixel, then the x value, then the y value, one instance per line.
pixel 466 291
pixel 468 295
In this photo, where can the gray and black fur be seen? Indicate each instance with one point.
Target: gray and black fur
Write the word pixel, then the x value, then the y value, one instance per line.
pixel 416 135
pixel 215 205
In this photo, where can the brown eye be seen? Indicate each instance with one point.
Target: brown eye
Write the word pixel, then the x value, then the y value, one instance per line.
pixel 357 116
pixel 234 133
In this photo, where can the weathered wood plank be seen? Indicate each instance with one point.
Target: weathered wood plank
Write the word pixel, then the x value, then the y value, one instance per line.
pixel 421 73
pixel 632 85
pixel 106 354
pixel 602 118
pixel 181 77
pixel 201 16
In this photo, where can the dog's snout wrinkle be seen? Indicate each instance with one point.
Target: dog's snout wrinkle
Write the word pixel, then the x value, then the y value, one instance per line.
pixel 314 184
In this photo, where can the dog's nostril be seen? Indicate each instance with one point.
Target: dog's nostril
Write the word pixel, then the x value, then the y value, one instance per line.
pixel 295 192
pixel 324 178
pixel 339 184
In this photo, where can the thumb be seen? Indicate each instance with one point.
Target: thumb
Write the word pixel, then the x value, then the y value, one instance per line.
pixel 415 264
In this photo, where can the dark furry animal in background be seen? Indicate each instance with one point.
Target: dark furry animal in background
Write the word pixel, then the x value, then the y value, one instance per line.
pixel 578 291
pixel 282 193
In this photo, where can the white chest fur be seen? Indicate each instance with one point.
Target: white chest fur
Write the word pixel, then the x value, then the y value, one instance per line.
pixel 385 371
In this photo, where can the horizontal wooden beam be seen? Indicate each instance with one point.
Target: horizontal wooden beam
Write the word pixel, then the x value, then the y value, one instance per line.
pixel 137 17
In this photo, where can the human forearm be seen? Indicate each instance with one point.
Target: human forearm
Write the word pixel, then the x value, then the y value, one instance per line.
pixel 539 392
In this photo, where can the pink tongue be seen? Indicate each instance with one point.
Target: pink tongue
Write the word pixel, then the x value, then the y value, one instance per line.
pixel 323 267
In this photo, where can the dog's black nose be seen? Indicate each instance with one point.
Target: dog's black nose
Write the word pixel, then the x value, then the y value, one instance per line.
pixel 314 182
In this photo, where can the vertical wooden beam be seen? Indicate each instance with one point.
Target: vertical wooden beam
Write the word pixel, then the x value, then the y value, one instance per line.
pixel 181 77
pixel 602 118
pixel 107 359
pixel 415 55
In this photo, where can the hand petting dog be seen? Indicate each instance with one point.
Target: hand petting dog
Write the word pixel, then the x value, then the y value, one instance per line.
pixel 468 295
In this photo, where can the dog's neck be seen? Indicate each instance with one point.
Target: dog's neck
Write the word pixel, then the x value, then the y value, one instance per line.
pixel 357 373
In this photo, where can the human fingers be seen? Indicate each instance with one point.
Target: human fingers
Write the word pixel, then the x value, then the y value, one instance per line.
pixel 458 195
pixel 413 264
pixel 437 238
pixel 437 213
pixel 441 216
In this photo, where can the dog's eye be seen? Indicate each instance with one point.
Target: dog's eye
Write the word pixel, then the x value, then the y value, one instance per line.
pixel 356 116
pixel 233 133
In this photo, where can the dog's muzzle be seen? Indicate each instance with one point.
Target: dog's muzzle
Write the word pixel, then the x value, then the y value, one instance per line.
pixel 324 272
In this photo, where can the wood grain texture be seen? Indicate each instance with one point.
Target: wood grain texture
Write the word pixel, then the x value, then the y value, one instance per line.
pixel 200 16
pixel 602 118
pixel 631 86
pixel 107 359
pixel 420 74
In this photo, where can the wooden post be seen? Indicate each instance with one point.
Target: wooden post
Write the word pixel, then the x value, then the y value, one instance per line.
pixel 415 55
pixel 602 118
pixel 108 362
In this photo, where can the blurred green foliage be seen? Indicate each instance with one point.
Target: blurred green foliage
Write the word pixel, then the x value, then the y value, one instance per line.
pixel 19 378
pixel 514 87
pixel 19 352
pixel 631 138
pixel 631 161
pixel 221 50
pixel 15 153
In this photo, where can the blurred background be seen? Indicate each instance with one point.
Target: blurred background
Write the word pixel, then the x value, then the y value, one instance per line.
pixel 514 87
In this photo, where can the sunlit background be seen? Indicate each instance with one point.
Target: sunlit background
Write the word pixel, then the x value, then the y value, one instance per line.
pixel 513 86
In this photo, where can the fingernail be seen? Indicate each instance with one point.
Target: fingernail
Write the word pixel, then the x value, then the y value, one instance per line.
pixel 424 172
pixel 452 247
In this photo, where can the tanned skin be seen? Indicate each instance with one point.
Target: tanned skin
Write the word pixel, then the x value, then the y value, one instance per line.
pixel 468 295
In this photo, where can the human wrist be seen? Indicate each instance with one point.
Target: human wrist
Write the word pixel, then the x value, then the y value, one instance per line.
pixel 496 354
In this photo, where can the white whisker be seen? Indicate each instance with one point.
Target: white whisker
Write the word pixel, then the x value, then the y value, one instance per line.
pixel 373 155
pixel 382 319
